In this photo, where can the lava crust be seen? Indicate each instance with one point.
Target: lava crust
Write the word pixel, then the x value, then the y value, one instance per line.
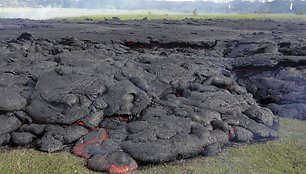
pixel 131 103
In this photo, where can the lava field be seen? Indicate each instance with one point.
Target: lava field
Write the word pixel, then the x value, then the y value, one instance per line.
pixel 124 94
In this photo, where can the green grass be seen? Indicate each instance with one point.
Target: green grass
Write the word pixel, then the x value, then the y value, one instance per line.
pixel 180 16
pixel 286 155
pixel 29 161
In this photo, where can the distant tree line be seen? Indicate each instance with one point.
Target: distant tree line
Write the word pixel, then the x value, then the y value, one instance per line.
pixel 237 6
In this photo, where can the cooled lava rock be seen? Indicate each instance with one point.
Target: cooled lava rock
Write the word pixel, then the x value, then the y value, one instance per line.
pixel 123 105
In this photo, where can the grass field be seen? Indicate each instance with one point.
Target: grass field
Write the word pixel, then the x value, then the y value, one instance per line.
pixel 99 14
pixel 180 16
pixel 286 155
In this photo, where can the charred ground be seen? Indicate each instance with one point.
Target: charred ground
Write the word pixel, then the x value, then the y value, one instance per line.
pixel 130 93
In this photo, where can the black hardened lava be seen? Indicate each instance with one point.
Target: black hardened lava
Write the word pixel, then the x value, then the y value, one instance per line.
pixel 120 108
pixel 280 87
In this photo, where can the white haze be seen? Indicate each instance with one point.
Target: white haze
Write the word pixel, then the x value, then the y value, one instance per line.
pixel 54 12
pixel 50 12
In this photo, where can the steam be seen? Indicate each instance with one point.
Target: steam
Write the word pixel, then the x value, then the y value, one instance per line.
pixel 35 13
pixel 49 12
pixel 46 9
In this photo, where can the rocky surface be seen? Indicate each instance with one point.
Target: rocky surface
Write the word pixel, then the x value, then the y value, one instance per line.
pixel 134 99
